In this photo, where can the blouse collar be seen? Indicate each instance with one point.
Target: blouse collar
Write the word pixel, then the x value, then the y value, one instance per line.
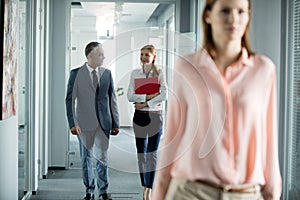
pixel 244 60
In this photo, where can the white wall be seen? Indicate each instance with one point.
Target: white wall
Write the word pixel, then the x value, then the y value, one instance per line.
pixel 9 158
pixel 81 36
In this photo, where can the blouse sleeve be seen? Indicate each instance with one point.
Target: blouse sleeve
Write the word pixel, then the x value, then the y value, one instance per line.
pixel 272 188
pixel 132 97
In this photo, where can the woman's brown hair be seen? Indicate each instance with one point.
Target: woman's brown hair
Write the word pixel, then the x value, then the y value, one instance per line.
pixel 208 42
pixel 152 50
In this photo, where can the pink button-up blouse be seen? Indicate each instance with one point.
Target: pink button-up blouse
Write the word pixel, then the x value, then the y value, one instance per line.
pixel 221 128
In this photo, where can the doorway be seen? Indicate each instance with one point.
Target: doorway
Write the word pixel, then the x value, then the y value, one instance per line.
pixel 122 28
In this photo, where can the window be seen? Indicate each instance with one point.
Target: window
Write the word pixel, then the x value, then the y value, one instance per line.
pixel 291 172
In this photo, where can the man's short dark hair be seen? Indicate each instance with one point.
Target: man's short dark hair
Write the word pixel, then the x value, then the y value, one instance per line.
pixel 90 46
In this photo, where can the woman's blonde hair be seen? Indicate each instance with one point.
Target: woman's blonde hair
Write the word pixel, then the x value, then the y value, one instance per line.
pixel 152 50
pixel 208 42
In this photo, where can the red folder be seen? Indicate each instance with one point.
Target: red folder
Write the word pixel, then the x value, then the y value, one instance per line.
pixel 146 85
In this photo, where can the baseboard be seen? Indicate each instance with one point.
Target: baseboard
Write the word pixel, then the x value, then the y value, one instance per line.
pixel 27 195
pixel 56 168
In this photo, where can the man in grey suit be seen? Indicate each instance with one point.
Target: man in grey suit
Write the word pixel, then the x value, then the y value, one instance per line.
pixel 92 114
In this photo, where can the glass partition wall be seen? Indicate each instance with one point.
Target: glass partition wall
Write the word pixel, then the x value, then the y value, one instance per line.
pixel 33 94
pixel 22 136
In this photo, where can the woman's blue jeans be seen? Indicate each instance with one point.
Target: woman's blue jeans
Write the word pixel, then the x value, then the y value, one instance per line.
pixel 147 140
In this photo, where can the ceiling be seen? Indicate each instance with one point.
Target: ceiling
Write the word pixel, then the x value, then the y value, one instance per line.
pixel 115 12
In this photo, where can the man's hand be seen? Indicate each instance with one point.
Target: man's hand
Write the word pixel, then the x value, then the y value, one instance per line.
pixel 75 130
pixel 114 131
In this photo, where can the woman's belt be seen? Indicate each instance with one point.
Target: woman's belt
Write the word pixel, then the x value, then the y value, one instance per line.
pixel 148 112
pixel 254 188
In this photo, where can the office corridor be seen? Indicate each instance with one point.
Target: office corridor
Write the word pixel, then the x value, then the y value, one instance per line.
pixel 45 39
pixel 67 184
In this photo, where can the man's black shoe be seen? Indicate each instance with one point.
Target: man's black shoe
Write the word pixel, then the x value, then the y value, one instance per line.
pixel 104 196
pixel 89 196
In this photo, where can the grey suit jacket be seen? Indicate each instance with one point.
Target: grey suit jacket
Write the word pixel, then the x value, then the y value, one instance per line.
pixel 86 107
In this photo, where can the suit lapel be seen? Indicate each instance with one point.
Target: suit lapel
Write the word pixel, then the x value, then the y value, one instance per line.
pixel 101 71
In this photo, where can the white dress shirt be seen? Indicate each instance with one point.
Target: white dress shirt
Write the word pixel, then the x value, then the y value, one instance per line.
pixel 154 104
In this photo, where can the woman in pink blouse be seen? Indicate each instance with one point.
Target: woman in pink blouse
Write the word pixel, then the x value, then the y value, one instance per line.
pixel 221 129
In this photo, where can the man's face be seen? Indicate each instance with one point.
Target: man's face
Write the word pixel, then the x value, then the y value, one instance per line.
pixel 96 57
